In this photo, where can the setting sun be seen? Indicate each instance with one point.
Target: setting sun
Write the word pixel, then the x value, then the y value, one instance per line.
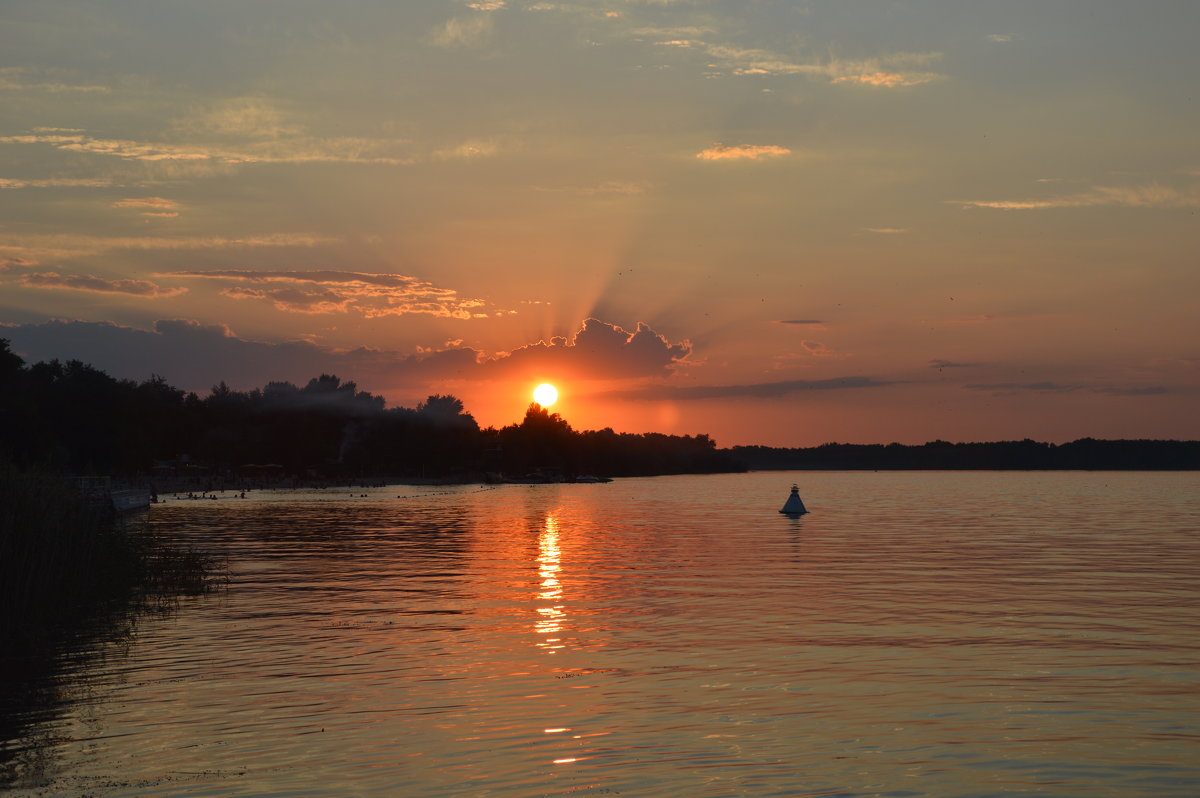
pixel 545 394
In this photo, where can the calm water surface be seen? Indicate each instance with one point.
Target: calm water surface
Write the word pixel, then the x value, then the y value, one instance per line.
pixel 917 634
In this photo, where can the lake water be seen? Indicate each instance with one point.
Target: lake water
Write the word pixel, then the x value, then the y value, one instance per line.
pixel 917 634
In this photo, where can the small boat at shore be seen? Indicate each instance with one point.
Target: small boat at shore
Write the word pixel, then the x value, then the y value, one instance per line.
pixel 100 492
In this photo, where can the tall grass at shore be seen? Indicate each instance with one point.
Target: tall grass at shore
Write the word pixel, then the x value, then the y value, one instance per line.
pixel 62 558
pixel 74 579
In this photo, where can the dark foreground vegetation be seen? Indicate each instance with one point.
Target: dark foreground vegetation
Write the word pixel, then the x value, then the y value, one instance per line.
pixel 74 580
pixel 80 420
pixel 1083 454
pixel 64 559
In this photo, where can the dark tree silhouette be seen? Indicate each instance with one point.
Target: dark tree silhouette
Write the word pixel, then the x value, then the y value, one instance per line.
pixel 76 419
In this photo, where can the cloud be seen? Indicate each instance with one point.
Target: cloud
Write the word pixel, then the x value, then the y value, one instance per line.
pixel 295 149
pixel 146 202
pixel 721 152
pixel 8 263
pixel 469 31
pixel 239 118
pixel 999 37
pixel 887 71
pixel 55 182
pixel 29 79
pixel 162 208
pixel 760 390
pixel 122 148
pixel 373 295
pixel 487 5
pixel 293 300
pixel 1148 390
pixel 801 321
pixel 195 356
pixel 818 349
pixel 1010 388
pixel 234 135
pixel 678 32
pixel 67 245
pixel 468 150
pixel 948 364
pixel 97 285
pixel 599 350
pixel 1148 196
pixel 888 79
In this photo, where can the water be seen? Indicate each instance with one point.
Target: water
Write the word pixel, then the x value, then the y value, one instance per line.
pixel 917 634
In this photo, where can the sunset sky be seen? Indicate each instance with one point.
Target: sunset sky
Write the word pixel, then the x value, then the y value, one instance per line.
pixel 775 222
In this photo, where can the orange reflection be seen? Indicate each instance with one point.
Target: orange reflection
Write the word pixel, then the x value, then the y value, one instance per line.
pixel 549 564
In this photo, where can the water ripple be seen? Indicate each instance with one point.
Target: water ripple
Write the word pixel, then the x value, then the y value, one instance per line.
pixel 917 634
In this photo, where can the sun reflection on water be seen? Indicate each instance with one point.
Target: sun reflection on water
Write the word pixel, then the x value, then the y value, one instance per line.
pixel 550 591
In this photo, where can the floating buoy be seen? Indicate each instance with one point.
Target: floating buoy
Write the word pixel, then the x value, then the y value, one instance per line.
pixel 793 505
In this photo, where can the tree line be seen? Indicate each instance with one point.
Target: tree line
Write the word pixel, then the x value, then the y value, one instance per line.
pixel 1082 454
pixel 77 419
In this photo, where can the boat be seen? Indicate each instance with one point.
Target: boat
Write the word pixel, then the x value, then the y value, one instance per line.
pixel 99 492
pixel 125 501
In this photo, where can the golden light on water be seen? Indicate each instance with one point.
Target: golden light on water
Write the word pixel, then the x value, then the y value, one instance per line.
pixel 545 394
pixel 549 564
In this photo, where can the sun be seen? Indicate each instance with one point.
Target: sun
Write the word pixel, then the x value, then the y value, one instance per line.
pixel 545 394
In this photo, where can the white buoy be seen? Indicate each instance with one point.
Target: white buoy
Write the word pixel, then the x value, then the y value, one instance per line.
pixel 793 505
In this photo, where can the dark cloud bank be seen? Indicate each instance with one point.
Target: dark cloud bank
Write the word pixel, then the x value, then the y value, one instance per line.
pixel 196 356
pixel 759 390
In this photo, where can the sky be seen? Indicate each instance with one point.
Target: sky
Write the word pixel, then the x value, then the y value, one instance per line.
pixel 780 223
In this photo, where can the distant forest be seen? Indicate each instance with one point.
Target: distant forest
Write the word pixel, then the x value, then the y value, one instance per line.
pixel 74 418
pixel 1083 454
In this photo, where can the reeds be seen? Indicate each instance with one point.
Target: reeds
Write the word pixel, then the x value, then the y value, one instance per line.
pixel 62 557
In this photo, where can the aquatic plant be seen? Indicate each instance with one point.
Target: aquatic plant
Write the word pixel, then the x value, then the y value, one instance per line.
pixel 63 557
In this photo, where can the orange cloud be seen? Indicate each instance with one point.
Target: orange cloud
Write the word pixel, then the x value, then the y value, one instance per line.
pixel 55 182
pixel 372 295
pixel 1150 196
pixel 888 79
pixel 162 208
pixel 146 202
pixel 597 350
pixel 888 71
pixel 758 390
pixel 293 300
pixel 68 245
pixel 294 149
pixel 721 152
pixel 97 285
pixel 467 150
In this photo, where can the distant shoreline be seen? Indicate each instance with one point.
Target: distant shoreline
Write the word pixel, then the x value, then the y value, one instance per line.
pixel 1085 454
